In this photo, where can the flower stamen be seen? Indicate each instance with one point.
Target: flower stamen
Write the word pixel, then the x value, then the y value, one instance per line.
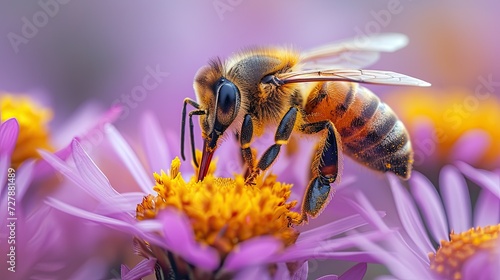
pixel 223 211
pixel 451 256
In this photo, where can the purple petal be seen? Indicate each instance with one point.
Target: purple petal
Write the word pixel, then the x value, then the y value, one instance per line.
pixel 409 217
pixel 430 204
pixel 179 237
pixel 471 146
pixel 366 210
pixel 43 169
pixel 387 277
pixel 302 272
pixel 486 180
pixel 328 277
pixel 252 252
pixel 93 268
pixel 456 199
pixel 87 125
pixel 24 178
pixel 90 173
pixel 354 273
pixel 398 257
pixel 71 174
pixel 253 272
pixel 111 222
pixel 142 269
pixel 9 130
pixel 129 158
pixel 487 211
pixel 281 272
pixel 155 143
pixel 327 248
pixel 122 203
pixel 482 265
pixel 333 228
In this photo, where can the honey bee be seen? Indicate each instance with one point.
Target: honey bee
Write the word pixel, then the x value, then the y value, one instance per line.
pixel 314 92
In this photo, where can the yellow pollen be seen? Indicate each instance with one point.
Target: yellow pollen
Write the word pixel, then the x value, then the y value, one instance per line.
pixel 223 211
pixel 33 125
pixel 452 255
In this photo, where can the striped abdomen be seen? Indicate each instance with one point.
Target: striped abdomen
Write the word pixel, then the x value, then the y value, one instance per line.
pixel 370 131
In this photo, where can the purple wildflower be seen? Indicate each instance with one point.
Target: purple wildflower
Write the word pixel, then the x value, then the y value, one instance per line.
pixel 170 235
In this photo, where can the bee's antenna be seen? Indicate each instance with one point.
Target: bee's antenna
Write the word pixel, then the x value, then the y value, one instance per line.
pixel 183 124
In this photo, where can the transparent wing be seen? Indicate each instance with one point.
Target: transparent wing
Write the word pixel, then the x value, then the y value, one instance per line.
pixel 358 52
pixel 347 75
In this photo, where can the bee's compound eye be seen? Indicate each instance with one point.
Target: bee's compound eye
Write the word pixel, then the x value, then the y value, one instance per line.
pixel 228 101
pixel 227 97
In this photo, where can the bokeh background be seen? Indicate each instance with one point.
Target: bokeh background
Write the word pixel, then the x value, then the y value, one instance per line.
pixel 72 52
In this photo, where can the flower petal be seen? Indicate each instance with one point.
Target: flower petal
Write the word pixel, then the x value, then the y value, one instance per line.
pixel 119 204
pixel 9 130
pixel 90 173
pixel 409 217
pixel 252 252
pixel 129 158
pixel 430 204
pixel 101 193
pixel 253 272
pixel 154 142
pixel 142 269
pixel 86 124
pixel 366 210
pixel 111 222
pixel 24 175
pixel 486 180
pixel 302 272
pixel 397 256
pixel 334 228
pixel 328 277
pixel 179 238
pixel 482 265
pixel 471 146
pixel 456 199
pixel 487 211
pixel 356 272
pixel 328 248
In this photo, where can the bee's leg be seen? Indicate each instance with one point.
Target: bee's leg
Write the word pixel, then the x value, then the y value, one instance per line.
pixel 245 138
pixel 281 137
pixel 325 169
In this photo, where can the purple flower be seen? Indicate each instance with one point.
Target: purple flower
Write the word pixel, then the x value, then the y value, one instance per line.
pixel 42 243
pixel 468 238
pixel 221 239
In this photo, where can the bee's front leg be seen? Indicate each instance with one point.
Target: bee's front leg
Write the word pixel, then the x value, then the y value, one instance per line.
pixel 245 138
pixel 325 168
pixel 281 137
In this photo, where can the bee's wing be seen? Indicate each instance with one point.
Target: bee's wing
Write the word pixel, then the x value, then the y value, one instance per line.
pixel 353 53
pixel 348 75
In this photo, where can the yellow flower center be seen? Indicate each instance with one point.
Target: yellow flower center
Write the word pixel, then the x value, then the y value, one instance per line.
pixel 33 126
pixel 453 112
pixel 450 257
pixel 224 212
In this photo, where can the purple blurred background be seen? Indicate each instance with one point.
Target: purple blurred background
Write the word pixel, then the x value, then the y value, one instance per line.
pixel 83 50
pixel 76 51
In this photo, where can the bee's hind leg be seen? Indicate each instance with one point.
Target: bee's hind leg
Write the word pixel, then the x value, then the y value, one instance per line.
pixel 325 169
pixel 281 137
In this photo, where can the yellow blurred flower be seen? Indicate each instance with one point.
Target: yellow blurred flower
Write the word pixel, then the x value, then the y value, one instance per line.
pixel 33 122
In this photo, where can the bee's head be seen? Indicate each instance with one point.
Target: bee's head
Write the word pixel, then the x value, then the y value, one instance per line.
pixel 220 100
